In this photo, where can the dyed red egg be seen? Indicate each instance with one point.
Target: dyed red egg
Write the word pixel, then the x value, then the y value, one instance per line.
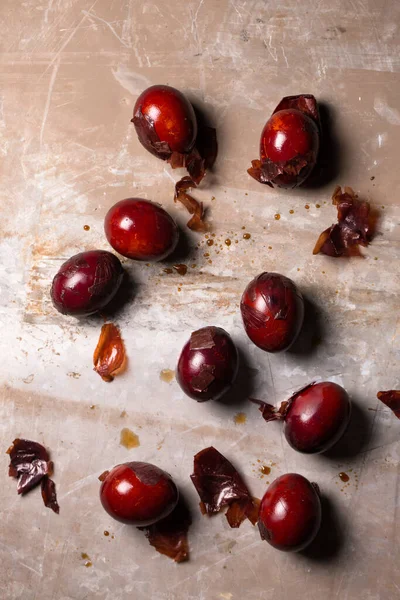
pixel 290 513
pixel 141 230
pixel 272 311
pixel 86 283
pixel 317 417
pixel 289 143
pixel 138 493
pixel 208 364
pixel 165 121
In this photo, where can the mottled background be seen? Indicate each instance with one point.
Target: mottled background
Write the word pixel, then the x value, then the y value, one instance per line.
pixel 70 73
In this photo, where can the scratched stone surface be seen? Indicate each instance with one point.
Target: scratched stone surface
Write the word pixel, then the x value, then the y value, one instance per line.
pixel 70 72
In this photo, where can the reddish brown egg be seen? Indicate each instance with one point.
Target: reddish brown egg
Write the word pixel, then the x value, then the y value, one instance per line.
pixel 317 417
pixel 165 121
pixel 141 230
pixel 289 143
pixel 86 283
pixel 138 493
pixel 272 311
pixel 208 364
pixel 290 513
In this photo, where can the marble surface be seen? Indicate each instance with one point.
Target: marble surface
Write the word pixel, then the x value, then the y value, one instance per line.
pixel 70 73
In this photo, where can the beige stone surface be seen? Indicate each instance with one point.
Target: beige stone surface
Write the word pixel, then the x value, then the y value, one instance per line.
pixel 70 72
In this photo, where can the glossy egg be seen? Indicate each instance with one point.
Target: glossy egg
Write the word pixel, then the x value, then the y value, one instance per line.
pixel 138 493
pixel 141 230
pixel 208 364
pixel 290 135
pixel 272 311
pixel 86 283
pixel 165 121
pixel 290 513
pixel 317 417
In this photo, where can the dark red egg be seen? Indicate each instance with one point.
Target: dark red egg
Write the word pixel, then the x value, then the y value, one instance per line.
pixel 165 121
pixel 317 417
pixel 86 283
pixel 289 143
pixel 208 364
pixel 290 513
pixel 272 311
pixel 138 493
pixel 141 230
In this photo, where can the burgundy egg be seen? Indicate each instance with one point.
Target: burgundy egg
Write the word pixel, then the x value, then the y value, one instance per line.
pixel 317 417
pixel 138 493
pixel 289 143
pixel 165 121
pixel 290 513
pixel 141 230
pixel 208 364
pixel 86 283
pixel 272 311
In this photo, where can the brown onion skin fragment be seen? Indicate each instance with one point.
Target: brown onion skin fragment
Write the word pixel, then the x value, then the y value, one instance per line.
pixel 355 227
pixel 30 463
pixel 219 484
pixel 141 230
pixel 138 493
pixel 289 143
pixel 207 373
pixel 109 357
pixel 170 535
pixel 165 111
pixel 86 283
pixel 195 208
pixel 392 400
pixel 317 417
pixel 290 513
pixel 272 311
pixel 49 494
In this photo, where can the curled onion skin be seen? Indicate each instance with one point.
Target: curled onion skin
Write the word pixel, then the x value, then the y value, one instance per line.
pixel 208 364
pixel 272 311
pixel 141 230
pixel 86 283
pixel 138 493
pixel 290 513
pixel 109 357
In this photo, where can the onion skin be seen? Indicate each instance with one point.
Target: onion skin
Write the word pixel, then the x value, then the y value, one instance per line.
pixel 290 513
pixel 109 358
pixel 206 370
pixel 138 493
pixel 86 283
pixel 165 121
pixel 317 417
pixel 272 311
pixel 392 400
pixel 356 226
pixel 289 143
pixel 141 230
